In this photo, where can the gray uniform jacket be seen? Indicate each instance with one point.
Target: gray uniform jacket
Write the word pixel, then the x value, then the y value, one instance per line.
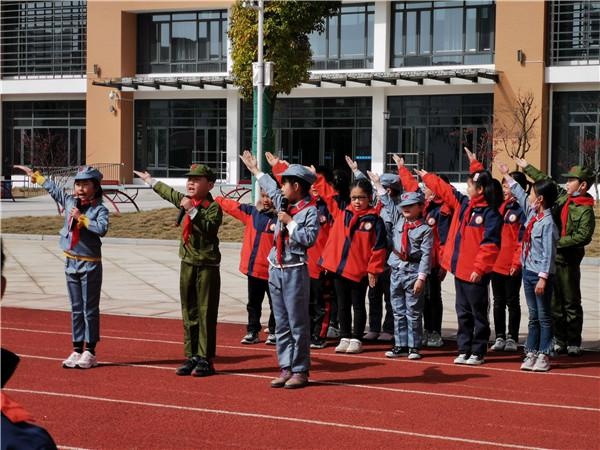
pixel 89 238
pixel 302 236
pixel 544 236
pixel 420 241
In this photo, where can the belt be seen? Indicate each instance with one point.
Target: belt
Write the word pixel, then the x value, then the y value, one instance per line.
pixel 82 258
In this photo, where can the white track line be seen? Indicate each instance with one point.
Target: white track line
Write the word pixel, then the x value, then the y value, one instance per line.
pixel 278 418
pixel 362 386
pixel 426 361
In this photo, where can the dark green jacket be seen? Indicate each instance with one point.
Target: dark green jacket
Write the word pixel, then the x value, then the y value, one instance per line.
pixel 202 247
pixel 580 221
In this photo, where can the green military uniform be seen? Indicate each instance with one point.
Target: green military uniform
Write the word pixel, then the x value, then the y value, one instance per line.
pixel 200 279
pixel 567 313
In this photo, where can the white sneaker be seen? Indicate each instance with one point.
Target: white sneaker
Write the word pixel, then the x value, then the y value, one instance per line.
pixel 435 340
pixel 542 363
pixel 461 359
pixel 510 345
pixel 499 345
pixel 413 353
pixel 371 336
pixel 333 333
pixel 87 360
pixel 528 362
pixel 475 360
pixel 385 337
pixel 343 345
pixel 71 361
pixel 355 346
pixel 574 350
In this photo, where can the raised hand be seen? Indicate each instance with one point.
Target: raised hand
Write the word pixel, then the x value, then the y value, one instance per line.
pixel 352 164
pixel 25 169
pixel 521 162
pixel 312 169
pixel 250 161
pixel 399 160
pixel 421 172
pixel 470 155
pixel 145 176
pixel 271 159
pixel 502 167
pixel 375 178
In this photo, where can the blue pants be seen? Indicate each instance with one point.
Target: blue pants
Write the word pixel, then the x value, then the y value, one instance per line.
pixel 408 309
pixel 539 337
pixel 84 280
pixel 290 293
pixel 472 304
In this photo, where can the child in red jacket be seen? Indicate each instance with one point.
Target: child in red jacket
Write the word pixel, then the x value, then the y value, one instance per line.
pixel 355 252
pixel 257 243
pixel 470 252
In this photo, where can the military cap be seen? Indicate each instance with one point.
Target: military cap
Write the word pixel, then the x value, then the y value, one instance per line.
pixel 88 173
pixel 389 180
pixel 201 170
pixel 410 198
pixel 299 171
pixel 580 172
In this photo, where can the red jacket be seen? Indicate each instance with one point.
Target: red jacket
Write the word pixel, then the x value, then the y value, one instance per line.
pixel 357 241
pixel 513 220
pixel 258 236
pixel 473 242
pixel 316 251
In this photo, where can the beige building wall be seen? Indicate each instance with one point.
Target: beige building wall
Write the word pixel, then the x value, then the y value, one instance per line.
pixel 521 25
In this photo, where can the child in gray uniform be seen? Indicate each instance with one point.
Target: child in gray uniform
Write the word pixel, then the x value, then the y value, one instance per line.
pixel 410 261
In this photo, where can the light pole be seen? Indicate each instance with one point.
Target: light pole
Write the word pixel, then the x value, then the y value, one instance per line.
pixel 260 85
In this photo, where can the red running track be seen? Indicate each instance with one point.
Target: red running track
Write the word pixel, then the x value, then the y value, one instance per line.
pixel 134 399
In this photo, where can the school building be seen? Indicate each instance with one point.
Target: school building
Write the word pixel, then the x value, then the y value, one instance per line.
pixel 148 84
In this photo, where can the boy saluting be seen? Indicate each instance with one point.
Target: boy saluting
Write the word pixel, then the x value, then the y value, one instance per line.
pixel 200 279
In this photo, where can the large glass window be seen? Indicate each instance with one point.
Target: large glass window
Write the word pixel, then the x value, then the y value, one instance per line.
pixel 173 134
pixel 575 32
pixel 347 42
pixel 182 42
pixel 433 130
pixel 43 38
pixel 442 33
pixel 43 134
pixel 575 131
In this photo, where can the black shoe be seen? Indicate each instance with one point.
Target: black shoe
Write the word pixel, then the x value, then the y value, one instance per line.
pixel 251 338
pixel 397 352
pixel 187 367
pixel 317 342
pixel 204 368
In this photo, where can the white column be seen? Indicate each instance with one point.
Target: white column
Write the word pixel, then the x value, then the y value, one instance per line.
pixel 381 36
pixel 233 135
pixel 378 130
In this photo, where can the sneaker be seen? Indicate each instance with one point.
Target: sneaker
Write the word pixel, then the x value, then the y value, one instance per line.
pixel 371 336
pixel 250 338
pixel 298 380
pixel 87 360
pixel 559 349
pixel 499 345
pixel 542 363
pixel 283 377
pixel 529 361
pixel 355 346
pixel 271 339
pixel 317 342
pixel 333 333
pixel 510 345
pixel 413 353
pixel 475 360
pixel 204 368
pixel 397 352
pixel 187 367
pixel 343 345
pixel 71 361
pixel 424 338
pixel 385 337
pixel 435 340
pixel 461 359
pixel 574 350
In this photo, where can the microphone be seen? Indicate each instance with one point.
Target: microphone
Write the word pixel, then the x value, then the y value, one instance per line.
pixel 285 203
pixel 73 223
pixel 181 215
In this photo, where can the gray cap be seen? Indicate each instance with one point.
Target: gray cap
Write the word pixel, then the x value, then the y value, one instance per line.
pixel 88 173
pixel 410 198
pixel 389 180
pixel 298 170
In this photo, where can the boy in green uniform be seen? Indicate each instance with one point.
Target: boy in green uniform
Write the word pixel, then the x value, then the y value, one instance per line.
pixel 574 215
pixel 200 279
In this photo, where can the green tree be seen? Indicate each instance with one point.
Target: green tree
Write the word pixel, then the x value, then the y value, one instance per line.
pixel 287 25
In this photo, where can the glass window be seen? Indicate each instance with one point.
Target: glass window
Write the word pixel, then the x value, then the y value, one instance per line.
pixel 447 30
pixel 575 32
pixel 43 39
pixel 185 42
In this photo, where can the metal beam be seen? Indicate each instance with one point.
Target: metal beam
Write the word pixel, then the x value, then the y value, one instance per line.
pixel 489 76
pixel 197 84
pixel 471 78
pixel 365 81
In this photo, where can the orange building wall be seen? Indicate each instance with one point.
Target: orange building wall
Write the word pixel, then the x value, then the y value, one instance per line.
pixel 521 25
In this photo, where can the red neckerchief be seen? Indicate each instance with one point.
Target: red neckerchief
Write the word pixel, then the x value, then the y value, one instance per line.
pixel 403 253
pixel 478 200
pixel 504 205
pixel 357 215
pixel 187 222
pixel 528 230
pixel 283 234
pixel 13 411
pixel 73 223
pixel 582 200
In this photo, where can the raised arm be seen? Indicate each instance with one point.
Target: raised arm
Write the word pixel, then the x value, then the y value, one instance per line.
pixel 443 190
pixel 409 182
pixel 235 209
pixel 474 165
pixel 358 175
pixel 57 193
pixel 327 194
